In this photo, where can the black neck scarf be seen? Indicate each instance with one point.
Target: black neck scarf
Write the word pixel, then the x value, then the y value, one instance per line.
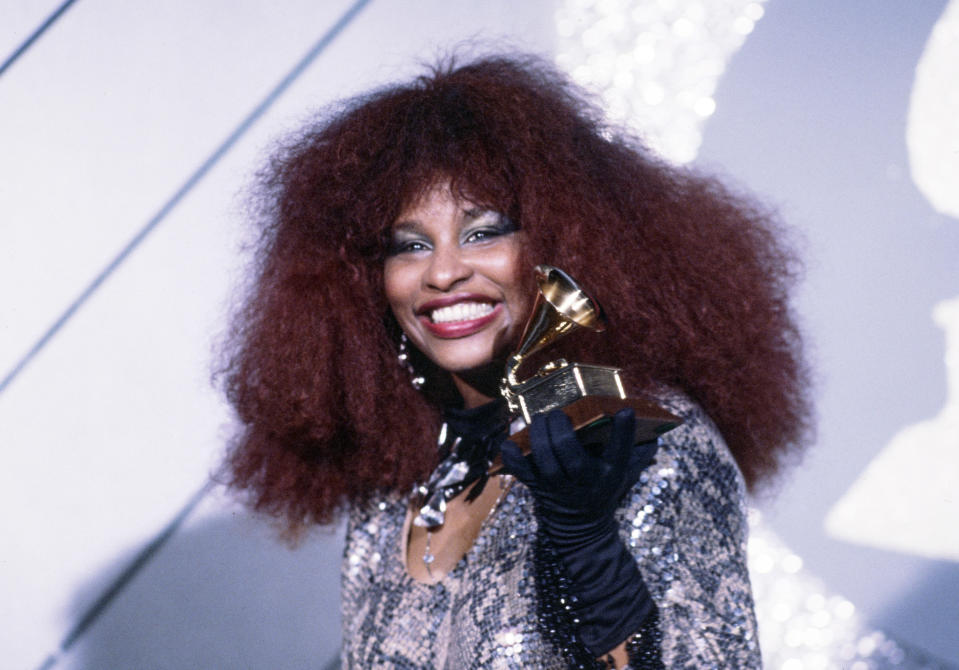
pixel 469 440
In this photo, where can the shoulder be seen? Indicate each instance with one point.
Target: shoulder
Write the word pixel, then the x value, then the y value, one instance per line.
pixel 685 522
pixel 372 528
pixel 694 484
pixel 695 478
pixel 697 452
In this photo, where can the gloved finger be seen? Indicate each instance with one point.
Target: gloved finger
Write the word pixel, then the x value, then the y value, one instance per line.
pixel 515 463
pixel 617 450
pixel 547 467
pixel 644 454
pixel 641 457
pixel 568 451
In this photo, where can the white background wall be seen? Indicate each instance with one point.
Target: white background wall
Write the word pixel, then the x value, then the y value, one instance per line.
pixel 813 113
pixel 112 427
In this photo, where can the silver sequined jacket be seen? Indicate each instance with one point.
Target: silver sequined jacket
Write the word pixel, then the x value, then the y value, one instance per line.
pixel 684 521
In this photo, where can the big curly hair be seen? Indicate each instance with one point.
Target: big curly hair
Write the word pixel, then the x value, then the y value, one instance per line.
pixel 695 277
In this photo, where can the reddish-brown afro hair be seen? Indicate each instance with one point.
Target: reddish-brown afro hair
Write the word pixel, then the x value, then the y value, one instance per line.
pixel 695 279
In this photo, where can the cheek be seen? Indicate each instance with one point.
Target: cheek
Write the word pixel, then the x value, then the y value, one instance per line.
pixel 520 303
pixel 518 287
pixel 396 286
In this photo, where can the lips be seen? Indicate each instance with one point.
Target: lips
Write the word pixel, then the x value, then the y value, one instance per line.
pixel 458 316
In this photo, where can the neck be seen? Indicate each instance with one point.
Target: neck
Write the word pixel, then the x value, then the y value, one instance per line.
pixel 478 387
pixel 472 397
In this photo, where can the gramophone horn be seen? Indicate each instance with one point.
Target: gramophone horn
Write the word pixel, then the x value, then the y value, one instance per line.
pixel 561 306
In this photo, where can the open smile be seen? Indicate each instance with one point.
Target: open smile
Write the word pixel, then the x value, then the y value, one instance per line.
pixel 459 319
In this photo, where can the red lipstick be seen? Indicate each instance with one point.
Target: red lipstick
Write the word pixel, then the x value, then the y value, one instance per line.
pixel 456 329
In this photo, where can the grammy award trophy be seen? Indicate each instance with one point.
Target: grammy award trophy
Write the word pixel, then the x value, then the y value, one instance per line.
pixel 588 394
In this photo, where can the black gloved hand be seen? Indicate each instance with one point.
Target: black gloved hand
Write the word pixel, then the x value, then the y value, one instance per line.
pixel 576 494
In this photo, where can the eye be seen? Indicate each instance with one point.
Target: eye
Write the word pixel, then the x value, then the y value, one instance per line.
pixel 406 246
pixel 483 234
pixel 487 224
pixel 408 238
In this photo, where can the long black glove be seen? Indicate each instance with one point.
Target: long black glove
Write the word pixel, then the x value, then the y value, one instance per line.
pixel 576 493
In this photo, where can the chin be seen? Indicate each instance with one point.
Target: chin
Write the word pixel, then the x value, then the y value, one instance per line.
pixel 469 364
pixel 471 361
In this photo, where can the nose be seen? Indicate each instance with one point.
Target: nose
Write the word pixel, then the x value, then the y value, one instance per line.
pixel 447 269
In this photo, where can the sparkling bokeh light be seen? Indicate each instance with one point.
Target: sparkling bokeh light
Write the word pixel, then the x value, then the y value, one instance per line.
pixel 655 64
pixel 805 626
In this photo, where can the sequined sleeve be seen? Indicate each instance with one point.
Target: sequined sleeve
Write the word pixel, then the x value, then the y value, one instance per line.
pixel 685 521
pixel 367 541
pixel 355 573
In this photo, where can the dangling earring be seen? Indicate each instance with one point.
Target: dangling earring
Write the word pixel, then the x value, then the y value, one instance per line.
pixel 404 358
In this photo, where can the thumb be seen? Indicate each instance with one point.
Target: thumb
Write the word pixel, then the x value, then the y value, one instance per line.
pixel 515 463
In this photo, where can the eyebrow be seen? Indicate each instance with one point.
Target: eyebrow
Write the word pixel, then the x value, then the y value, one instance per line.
pixel 406 227
pixel 415 225
pixel 478 211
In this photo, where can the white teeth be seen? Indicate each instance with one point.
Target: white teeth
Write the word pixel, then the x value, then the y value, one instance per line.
pixel 461 311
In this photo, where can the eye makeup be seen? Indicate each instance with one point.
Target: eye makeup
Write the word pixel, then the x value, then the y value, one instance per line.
pixel 478 224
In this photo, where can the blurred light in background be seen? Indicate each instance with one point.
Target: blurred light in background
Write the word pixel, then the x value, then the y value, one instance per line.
pixel 656 64
pixel 932 135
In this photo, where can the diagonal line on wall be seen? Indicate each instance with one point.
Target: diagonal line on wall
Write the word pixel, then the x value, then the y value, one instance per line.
pixel 35 35
pixel 187 186
pixel 153 547
pixel 126 576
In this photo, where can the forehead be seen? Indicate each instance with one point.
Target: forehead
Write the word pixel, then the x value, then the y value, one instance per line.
pixel 436 201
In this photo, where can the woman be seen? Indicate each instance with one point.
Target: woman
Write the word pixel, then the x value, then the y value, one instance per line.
pixel 394 276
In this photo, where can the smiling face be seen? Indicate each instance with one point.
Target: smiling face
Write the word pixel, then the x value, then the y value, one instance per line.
pixel 452 279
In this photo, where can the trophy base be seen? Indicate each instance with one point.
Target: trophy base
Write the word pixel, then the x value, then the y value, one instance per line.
pixel 591 417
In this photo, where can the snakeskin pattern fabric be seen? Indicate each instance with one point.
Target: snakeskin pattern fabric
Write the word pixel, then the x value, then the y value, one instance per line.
pixel 684 521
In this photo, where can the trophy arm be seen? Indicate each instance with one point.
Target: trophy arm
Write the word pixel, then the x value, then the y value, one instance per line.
pixel 512 366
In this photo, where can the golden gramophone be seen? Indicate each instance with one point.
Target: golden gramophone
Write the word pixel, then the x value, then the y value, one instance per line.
pixel 588 394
